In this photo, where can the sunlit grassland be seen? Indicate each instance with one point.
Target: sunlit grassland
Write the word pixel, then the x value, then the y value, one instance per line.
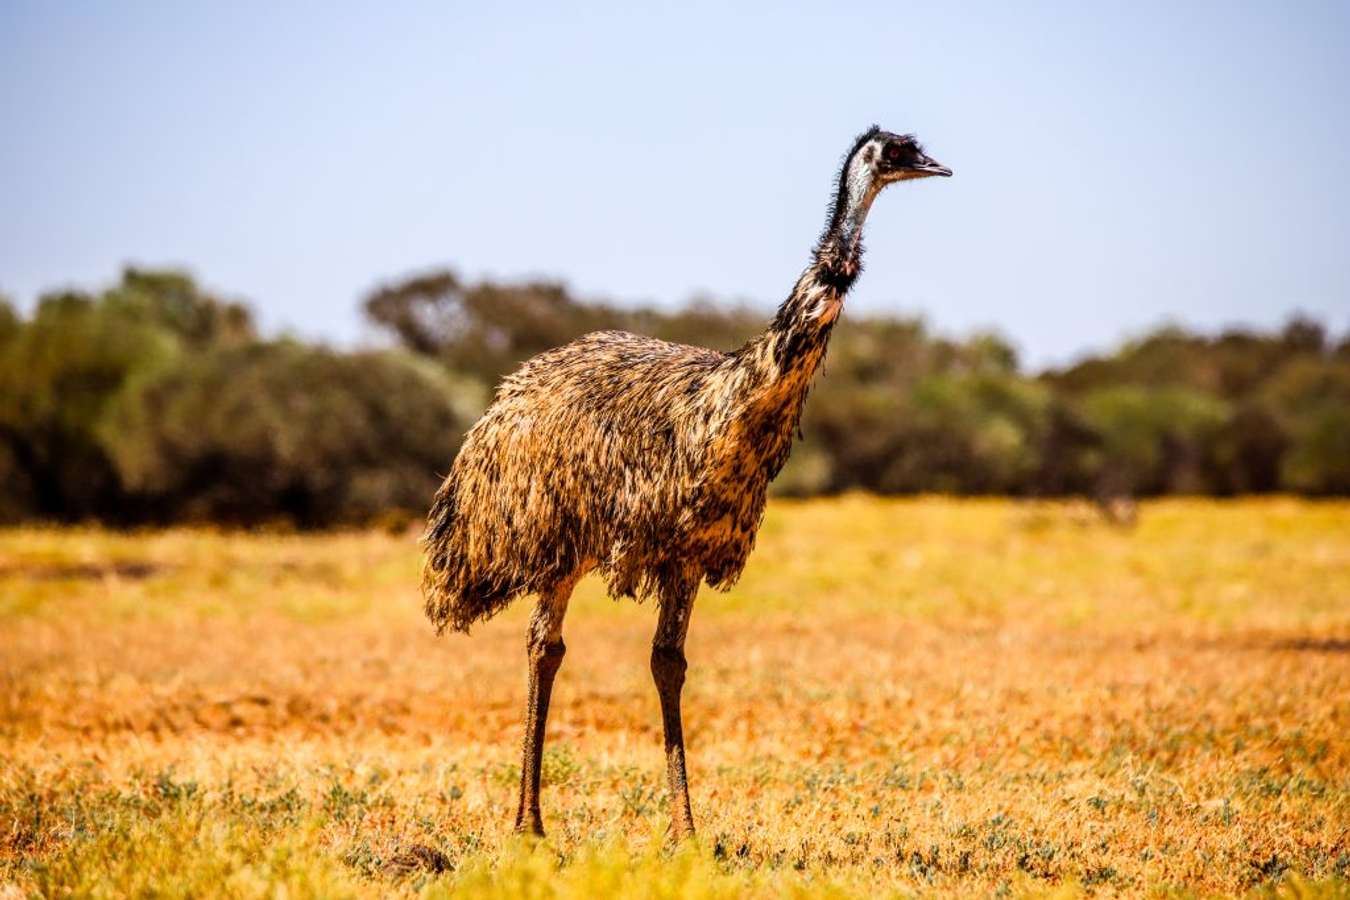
pixel 914 696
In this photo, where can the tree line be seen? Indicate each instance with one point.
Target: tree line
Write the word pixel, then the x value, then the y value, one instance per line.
pixel 155 401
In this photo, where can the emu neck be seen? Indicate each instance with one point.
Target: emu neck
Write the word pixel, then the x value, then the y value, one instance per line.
pixel 794 344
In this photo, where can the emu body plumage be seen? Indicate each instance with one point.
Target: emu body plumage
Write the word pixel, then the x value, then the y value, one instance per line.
pixel 644 460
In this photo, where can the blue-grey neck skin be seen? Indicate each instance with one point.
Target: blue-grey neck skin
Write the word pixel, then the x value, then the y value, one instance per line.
pixel 878 158
pixel 838 255
pixel 843 240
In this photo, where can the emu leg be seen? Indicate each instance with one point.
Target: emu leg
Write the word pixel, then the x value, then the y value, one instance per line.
pixel 544 662
pixel 546 650
pixel 668 668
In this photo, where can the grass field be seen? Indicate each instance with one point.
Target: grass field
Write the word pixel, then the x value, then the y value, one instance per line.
pixel 916 697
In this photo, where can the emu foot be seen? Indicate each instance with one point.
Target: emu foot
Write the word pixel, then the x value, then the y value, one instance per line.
pixel 418 858
pixel 529 824
pixel 681 831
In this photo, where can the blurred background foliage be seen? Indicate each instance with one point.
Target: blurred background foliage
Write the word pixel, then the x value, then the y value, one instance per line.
pixel 155 401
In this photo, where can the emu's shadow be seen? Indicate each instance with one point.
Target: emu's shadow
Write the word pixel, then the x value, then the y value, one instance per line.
pixel 1315 645
pixel 130 570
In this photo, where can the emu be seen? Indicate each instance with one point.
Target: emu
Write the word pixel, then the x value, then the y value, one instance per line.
pixel 645 461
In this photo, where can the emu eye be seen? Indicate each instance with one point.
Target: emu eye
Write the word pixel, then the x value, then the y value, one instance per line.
pixel 892 152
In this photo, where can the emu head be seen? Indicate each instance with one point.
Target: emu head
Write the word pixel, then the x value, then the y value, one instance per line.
pixel 878 158
pixel 896 157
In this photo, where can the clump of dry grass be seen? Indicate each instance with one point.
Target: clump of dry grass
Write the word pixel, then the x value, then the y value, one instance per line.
pixel 902 696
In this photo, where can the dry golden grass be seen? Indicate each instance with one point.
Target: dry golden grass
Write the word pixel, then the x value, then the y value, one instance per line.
pixel 928 697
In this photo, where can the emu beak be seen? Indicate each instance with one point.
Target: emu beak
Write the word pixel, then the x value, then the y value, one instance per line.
pixel 927 166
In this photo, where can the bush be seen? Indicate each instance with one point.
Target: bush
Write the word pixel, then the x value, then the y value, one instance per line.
pixel 1311 400
pixel 58 373
pixel 1155 440
pixel 283 430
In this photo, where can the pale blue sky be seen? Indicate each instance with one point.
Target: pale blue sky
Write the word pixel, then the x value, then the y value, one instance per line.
pixel 1117 165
